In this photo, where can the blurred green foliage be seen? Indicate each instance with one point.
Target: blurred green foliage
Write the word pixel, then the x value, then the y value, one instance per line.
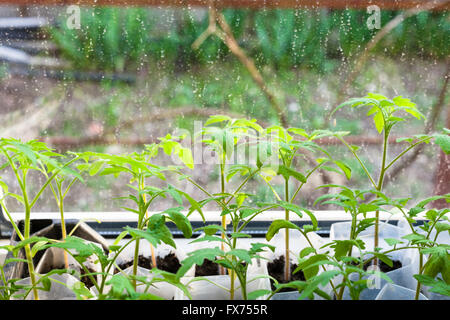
pixel 118 39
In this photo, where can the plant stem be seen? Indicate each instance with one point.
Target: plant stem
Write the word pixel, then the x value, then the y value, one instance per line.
pixel 420 272
pixel 406 150
pixel 352 237
pixel 233 273
pixel 135 262
pixel 379 187
pixel 63 225
pixel 224 221
pixel 28 254
pixel 303 183
pixel 359 161
pixel 287 263
pixel 242 185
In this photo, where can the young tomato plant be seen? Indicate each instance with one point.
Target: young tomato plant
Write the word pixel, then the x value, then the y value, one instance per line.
pixel 230 255
pixel 60 187
pixel 386 115
pixel 139 168
pixel 223 135
pixel 290 145
pixel 434 256
pixel 24 159
pixel 121 286
pixel 355 203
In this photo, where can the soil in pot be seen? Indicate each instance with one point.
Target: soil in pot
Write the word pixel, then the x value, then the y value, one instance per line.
pixel 385 268
pixel 169 263
pixel 86 279
pixel 276 270
pixel 143 262
pixel 396 264
pixel 208 268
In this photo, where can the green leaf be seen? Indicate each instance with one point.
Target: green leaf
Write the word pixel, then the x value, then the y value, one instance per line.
pixel 379 121
pixel 346 169
pixel 236 235
pixel 185 155
pixel 4 186
pixel 306 251
pixel 95 168
pixel 321 279
pixel 437 263
pixel 247 212
pixel 174 193
pixel 38 246
pixel 156 231
pixel 441 227
pixel 384 258
pixel 277 225
pixel 83 248
pixel 392 241
pixel 180 220
pixel 217 118
pixel 241 254
pixel 197 258
pixel 258 293
pixel 211 229
pixel 119 284
pixel 443 141
pixel 342 247
pixel 308 266
pixel 81 291
pixel 288 172
pixel 208 239
pixel 436 285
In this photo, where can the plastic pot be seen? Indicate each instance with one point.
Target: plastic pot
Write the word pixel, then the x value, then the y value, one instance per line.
pixel 297 242
pixel 341 231
pixel 394 292
pixel 60 288
pixel 218 287
pixel 161 289
pixel 19 270
pixel 402 276
pixel 443 238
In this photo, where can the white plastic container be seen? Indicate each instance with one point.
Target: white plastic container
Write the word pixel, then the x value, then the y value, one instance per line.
pixel 297 242
pixel 402 276
pixel 60 289
pixel 341 231
pixel 218 287
pixel 443 238
pixel 160 289
pixel 394 292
